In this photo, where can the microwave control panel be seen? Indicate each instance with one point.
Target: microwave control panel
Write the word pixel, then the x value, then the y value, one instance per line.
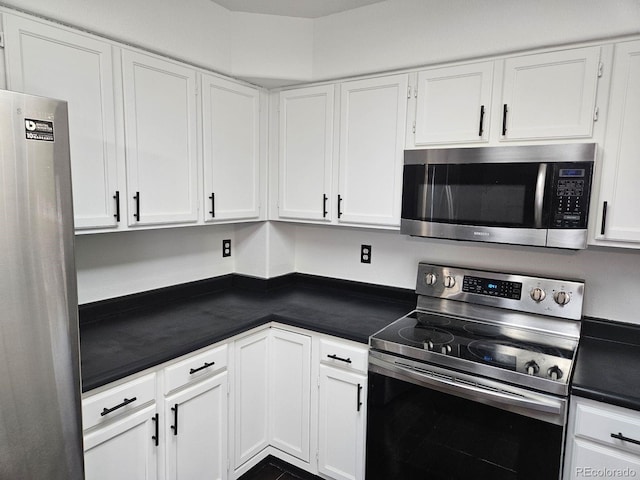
pixel 571 188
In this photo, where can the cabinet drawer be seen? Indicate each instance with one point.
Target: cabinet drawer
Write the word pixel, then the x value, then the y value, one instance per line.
pixel 195 368
pixel 117 401
pixel 599 423
pixel 342 355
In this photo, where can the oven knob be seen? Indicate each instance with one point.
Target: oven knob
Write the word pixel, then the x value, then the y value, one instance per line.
pixel 446 349
pixel 449 281
pixel 554 373
pixel 562 297
pixel 531 367
pixel 428 345
pixel 430 278
pixel 538 294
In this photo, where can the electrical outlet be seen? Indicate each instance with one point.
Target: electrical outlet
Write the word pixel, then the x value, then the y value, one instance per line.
pixel 226 248
pixel 365 253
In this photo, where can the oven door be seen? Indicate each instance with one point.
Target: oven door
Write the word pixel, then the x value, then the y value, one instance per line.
pixel 426 423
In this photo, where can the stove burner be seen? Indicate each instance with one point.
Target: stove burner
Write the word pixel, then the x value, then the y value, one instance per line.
pixel 482 329
pixel 422 335
pixel 428 319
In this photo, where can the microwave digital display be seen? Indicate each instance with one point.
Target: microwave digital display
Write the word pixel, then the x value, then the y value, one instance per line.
pixel 571 172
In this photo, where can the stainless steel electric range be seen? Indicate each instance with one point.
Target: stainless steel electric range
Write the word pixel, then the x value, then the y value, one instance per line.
pixel 475 380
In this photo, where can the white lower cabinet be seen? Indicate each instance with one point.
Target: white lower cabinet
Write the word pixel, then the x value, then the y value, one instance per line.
pixel 287 392
pixel 196 431
pixel 251 392
pixel 123 449
pixel 195 416
pixel 121 432
pixel 290 393
pixel 603 441
pixel 342 412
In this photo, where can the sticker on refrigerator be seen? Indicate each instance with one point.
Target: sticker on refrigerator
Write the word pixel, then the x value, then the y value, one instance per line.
pixel 38 130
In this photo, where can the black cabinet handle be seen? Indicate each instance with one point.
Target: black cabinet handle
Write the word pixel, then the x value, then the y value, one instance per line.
pixel 324 206
pixel 335 357
pixel 124 403
pixel 359 401
pixel 504 119
pixel 619 436
pixel 604 217
pixel 480 129
pixel 174 427
pixel 339 206
pixel 212 197
pixel 206 365
pixel 156 437
pixel 136 197
pixel 116 197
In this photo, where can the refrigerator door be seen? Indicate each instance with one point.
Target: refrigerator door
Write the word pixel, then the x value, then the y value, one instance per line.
pixel 40 417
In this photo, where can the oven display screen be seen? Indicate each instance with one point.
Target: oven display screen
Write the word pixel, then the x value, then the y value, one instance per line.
pixel 494 357
pixel 492 287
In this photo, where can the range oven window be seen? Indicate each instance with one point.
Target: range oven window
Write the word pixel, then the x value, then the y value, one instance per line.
pixel 500 195
pixel 418 433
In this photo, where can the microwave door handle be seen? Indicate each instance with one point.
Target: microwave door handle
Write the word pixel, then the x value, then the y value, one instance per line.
pixel 539 195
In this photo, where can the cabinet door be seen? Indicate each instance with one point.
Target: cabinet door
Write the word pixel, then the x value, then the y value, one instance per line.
pixel 160 119
pixel 453 104
pixel 550 95
pixel 251 390
pixel 53 62
pixel 125 448
pixel 230 114
pixel 290 392
pixel 196 431
pixel 372 131
pixel 341 423
pixel 619 193
pixel 306 153
pixel 593 460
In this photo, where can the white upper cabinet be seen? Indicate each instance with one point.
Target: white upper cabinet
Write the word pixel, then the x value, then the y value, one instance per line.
pixel 160 128
pixel 306 153
pixel 619 193
pixel 550 95
pixel 55 62
pixel 372 131
pixel 231 127
pixel 453 104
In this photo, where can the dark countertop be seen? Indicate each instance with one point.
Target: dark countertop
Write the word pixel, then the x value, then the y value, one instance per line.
pixel 122 336
pixel 607 368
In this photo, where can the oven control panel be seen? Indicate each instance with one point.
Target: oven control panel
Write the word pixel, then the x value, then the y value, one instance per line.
pixel 524 293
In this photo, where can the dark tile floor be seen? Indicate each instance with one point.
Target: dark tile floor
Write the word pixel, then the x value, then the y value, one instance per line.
pixel 274 469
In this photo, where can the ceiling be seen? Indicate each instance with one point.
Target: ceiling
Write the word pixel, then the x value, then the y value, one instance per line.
pixel 294 8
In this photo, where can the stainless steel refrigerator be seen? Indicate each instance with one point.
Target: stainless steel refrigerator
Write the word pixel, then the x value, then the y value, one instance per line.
pixel 40 416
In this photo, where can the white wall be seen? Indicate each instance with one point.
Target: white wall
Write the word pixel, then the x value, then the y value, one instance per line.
pixel 114 264
pixel 200 32
pixel 392 34
pixel 612 276
pixel 267 49
pixel 405 33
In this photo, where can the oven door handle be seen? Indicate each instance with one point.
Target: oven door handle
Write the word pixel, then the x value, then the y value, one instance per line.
pixel 528 403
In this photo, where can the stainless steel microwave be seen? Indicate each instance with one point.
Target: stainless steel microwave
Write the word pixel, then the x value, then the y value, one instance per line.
pixel 526 195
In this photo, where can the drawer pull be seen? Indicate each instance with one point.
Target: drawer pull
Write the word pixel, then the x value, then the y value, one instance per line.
pixel 206 365
pixel 125 402
pixel 156 437
pixel 619 436
pixel 335 357
pixel 174 427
